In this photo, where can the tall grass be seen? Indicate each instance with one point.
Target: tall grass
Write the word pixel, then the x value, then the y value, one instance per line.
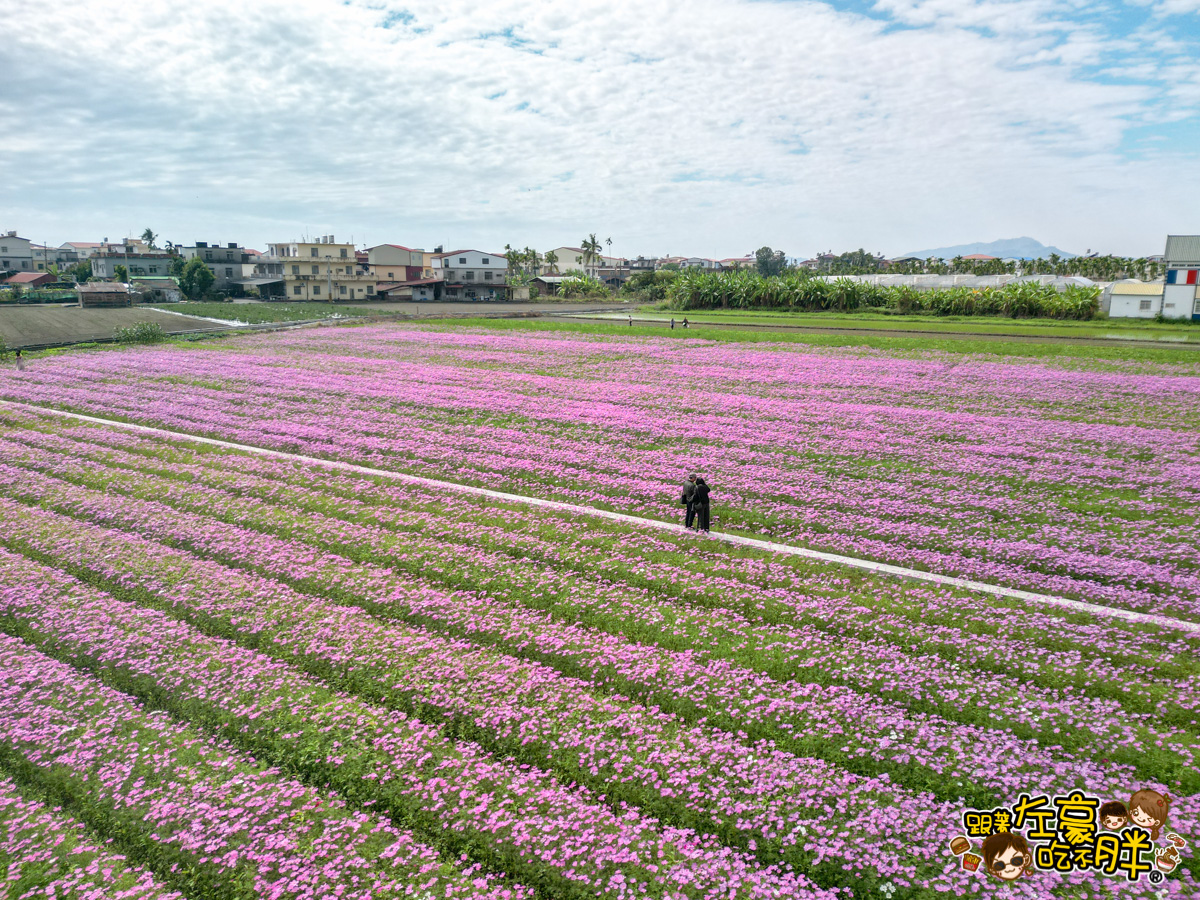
pixel 743 289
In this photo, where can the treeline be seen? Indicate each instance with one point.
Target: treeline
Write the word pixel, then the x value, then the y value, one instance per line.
pixel 745 289
pixel 1097 268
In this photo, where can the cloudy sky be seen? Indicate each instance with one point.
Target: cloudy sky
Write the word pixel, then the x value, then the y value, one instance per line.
pixel 706 127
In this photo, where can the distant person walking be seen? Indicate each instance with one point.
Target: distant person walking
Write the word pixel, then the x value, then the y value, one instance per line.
pixel 700 504
pixel 672 323
pixel 685 321
pixel 20 361
pixel 686 497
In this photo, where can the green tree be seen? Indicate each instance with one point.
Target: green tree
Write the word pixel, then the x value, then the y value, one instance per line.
pixel 591 251
pixel 150 237
pixel 120 273
pixel 196 278
pixel 769 262
pixel 176 268
pixel 551 259
pixel 80 272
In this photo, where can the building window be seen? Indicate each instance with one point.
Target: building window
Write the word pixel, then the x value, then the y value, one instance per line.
pixel 1144 305
pixel 316 270
pixel 462 261
pixel 295 270
pixel 487 276
pixel 154 270
pixel 486 261
pixel 470 276
pixel 343 289
pixel 207 256
pixel 228 272
pixel 314 251
pixel 370 288
pixel 392 275
pixel 316 290
pixel 296 290
pixel 343 253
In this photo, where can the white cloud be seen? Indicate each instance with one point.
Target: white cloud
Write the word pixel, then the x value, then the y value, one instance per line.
pixel 709 127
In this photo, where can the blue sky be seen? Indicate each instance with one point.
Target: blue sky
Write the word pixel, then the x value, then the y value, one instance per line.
pixel 710 127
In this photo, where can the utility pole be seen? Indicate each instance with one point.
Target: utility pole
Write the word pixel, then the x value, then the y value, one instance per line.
pixel 329 275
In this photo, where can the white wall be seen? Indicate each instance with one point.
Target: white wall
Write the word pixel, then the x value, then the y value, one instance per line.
pixel 1129 306
pixel 1179 301
pixel 16 253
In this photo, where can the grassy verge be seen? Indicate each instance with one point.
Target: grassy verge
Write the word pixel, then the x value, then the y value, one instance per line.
pixel 886 319
pixel 1016 347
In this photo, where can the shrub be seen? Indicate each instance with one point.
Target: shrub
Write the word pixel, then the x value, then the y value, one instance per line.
pixel 141 333
pixel 743 289
pixel 581 285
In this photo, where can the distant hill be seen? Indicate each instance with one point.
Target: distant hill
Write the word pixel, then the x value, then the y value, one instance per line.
pixel 1018 248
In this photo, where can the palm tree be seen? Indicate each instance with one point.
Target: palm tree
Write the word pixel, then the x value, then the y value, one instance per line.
pixel 551 261
pixel 591 251
pixel 150 237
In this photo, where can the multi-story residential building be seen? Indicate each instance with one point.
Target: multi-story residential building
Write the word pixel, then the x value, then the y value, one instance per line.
pixel 104 263
pixel 81 249
pixel 44 257
pixel 471 274
pixel 394 263
pixel 225 261
pixel 572 258
pixel 16 253
pixel 318 270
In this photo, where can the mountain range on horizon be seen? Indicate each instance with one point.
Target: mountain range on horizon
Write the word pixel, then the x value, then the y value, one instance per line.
pixel 1005 248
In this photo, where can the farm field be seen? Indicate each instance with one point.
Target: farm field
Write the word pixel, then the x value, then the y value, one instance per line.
pixel 1118 329
pixel 235 676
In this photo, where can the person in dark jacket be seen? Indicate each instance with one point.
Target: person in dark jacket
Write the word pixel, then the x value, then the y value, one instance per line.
pixel 689 490
pixel 700 504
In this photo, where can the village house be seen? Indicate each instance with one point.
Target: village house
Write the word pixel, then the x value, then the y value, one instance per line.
pixel 471 274
pixel 44 257
pixel 16 253
pixel 149 262
pixel 321 270
pixel 225 261
pixel 30 280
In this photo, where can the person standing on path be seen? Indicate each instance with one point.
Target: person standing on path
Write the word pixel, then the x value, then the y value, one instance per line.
pixel 20 361
pixel 686 497
pixel 700 505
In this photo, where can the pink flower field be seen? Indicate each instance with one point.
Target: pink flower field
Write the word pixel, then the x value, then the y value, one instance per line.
pixel 235 676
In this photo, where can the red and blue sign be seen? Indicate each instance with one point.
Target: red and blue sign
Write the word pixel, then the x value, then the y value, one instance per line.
pixel 1182 276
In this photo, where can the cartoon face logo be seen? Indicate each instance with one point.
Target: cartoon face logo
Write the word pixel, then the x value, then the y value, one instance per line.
pixel 1006 855
pixel 1114 815
pixel 1149 810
